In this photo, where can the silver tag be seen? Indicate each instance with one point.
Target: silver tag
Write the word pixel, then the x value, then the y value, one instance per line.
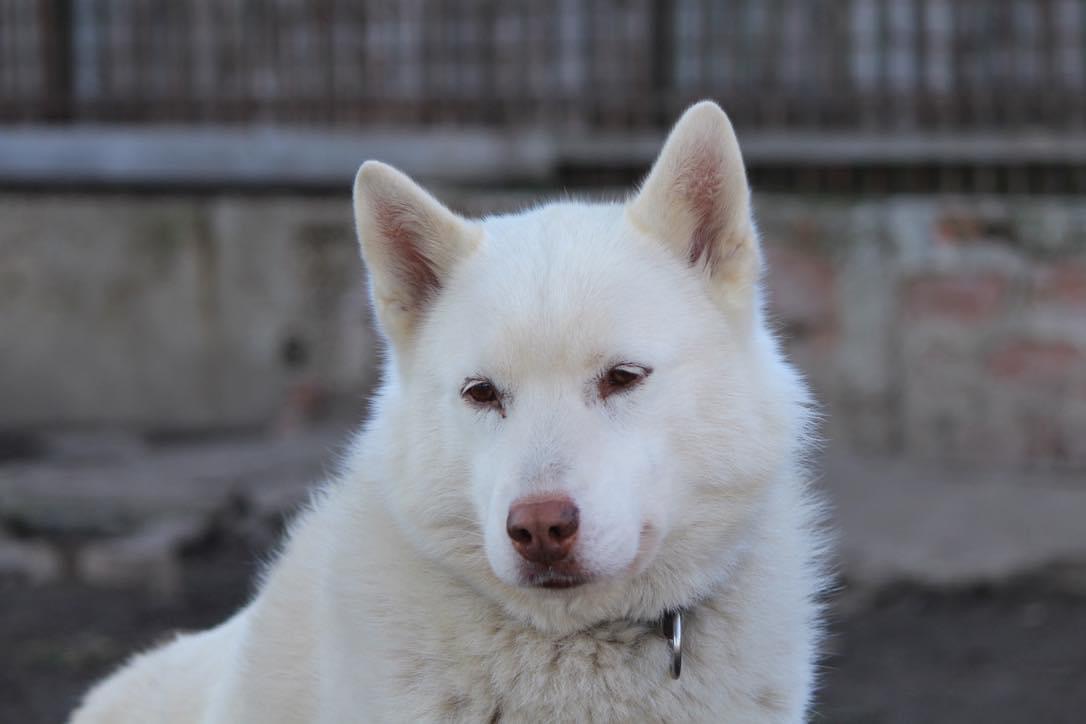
pixel 673 632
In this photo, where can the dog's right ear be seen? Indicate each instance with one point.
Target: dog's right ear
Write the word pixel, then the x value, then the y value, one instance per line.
pixel 409 243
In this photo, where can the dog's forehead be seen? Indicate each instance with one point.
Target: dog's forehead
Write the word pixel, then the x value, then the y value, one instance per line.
pixel 570 282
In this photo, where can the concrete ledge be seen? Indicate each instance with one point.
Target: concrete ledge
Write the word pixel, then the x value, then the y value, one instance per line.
pixel 139 155
pixel 328 158
pixel 830 149
pixel 115 496
pixel 903 521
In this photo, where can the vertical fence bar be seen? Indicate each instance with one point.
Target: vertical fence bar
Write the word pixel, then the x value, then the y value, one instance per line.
pixel 921 105
pixel 55 21
pixel 663 58
pixel 838 49
pixel 771 113
pixel 1053 105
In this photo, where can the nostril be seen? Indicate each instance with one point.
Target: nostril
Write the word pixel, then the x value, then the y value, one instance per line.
pixel 520 535
pixel 565 523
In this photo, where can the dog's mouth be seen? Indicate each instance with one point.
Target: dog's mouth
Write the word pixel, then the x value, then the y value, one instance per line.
pixel 554 580
pixel 557 584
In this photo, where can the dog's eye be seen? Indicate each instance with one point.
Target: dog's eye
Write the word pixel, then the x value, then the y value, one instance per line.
pixel 621 378
pixel 481 392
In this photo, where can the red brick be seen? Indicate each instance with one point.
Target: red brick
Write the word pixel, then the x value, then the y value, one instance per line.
pixel 801 289
pixel 964 227
pixel 1064 285
pixel 1035 360
pixel 955 228
pixel 965 298
pixel 1045 439
pixel 806 231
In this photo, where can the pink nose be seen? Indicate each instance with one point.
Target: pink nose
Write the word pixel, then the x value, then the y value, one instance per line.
pixel 543 529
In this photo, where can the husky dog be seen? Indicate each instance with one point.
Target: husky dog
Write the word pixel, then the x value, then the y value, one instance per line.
pixel 584 467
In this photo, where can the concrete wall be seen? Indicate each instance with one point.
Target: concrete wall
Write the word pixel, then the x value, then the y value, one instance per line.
pixel 948 329
pixel 177 312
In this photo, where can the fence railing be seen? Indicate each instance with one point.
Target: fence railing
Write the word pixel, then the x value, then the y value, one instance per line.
pixel 881 65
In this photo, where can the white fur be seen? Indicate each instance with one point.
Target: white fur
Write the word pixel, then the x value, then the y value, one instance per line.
pixel 398 596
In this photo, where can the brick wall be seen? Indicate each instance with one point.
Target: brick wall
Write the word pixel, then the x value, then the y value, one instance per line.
pixel 950 329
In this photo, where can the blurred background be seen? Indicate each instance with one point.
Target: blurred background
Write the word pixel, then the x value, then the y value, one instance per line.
pixel 185 341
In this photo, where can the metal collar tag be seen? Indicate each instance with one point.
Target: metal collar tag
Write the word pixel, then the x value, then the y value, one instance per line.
pixel 672 625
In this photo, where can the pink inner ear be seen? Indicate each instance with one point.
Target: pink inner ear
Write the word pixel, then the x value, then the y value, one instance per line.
pixel 700 183
pixel 405 236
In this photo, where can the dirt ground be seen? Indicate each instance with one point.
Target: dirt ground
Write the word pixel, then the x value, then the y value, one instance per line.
pixel 1013 653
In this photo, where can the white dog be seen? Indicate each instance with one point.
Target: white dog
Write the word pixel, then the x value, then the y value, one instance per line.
pixel 585 461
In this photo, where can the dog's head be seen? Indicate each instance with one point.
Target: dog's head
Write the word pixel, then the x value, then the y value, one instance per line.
pixel 581 406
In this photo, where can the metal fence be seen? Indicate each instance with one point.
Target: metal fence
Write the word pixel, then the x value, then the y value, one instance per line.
pixel 900 65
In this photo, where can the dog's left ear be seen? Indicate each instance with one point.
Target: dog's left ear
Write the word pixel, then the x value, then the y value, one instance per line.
pixel 697 202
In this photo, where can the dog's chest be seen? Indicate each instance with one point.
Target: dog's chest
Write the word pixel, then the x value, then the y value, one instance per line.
pixel 612 673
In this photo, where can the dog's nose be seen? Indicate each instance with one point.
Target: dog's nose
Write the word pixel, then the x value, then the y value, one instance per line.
pixel 542 530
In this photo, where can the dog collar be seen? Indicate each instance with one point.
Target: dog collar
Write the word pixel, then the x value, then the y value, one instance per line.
pixel 671 626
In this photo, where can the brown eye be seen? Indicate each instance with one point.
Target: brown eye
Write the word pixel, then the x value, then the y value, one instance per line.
pixel 481 392
pixel 621 378
pixel 618 377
